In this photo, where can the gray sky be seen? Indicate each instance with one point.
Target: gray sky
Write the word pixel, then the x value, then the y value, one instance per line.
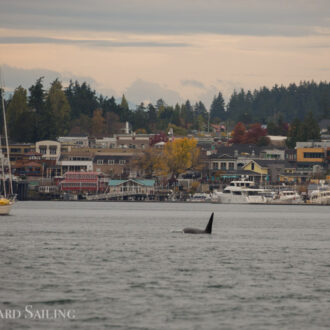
pixel 149 49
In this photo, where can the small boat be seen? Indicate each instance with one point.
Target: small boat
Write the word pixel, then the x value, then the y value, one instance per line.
pixel 199 198
pixel 5 206
pixel 320 197
pixel 287 197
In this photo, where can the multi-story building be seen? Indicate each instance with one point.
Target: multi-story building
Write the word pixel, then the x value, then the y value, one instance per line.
pixel 83 182
pixel 132 141
pixel 114 164
pixel 312 156
pixel 75 163
pixel 18 150
pixel 50 150
pixel 223 162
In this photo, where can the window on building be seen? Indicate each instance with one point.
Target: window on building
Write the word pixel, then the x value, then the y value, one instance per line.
pixel 215 165
pixel 53 150
pixel 313 155
pixel 43 150
pixel 252 166
pixel 223 166
pixel 122 161
pixel 231 166
pixel 99 162
pixel 111 161
pixel 15 150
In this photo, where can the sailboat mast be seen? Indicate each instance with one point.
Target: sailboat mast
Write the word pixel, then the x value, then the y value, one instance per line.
pixel 7 145
pixel 3 173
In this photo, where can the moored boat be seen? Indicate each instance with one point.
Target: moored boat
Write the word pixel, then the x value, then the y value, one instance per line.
pixel 287 197
pixel 199 198
pixel 320 197
pixel 5 206
pixel 242 192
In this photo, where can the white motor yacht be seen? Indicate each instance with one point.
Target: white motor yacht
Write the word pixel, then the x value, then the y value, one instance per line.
pixel 242 192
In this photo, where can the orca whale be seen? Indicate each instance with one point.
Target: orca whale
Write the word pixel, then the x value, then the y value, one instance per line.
pixel 207 230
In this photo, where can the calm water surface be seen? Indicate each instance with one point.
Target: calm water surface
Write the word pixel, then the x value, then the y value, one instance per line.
pixel 123 266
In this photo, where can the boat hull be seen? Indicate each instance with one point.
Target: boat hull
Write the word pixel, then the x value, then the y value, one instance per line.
pixel 5 209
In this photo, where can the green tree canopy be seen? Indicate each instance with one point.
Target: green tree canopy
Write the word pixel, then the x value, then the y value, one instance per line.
pixel 217 110
pixel 20 118
pixel 59 110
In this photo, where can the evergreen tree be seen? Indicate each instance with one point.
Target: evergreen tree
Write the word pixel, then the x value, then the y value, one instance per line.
pixel 152 117
pixel 217 110
pixel 293 134
pixel 20 118
pixel 124 113
pixel 59 110
pixel 37 104
pixel 200 109
pixel 311 127
pixel 140 118
pixel 124 103
pixel 109 105
pixel 188 114
pixel 82 99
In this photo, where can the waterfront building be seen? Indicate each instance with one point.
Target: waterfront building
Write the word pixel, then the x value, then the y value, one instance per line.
pixel 83 182
pixel 132 187
pixel 75 163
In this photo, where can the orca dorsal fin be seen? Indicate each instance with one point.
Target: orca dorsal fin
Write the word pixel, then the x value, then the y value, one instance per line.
pixel 208 228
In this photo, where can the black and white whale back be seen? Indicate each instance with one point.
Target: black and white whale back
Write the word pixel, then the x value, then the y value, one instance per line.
pixel 207 230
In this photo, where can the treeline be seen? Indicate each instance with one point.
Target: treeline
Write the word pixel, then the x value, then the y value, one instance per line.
pixel 289 103
pixel 36 114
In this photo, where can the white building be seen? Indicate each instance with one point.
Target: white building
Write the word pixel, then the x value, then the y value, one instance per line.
pixel 75 164
pixel 50 150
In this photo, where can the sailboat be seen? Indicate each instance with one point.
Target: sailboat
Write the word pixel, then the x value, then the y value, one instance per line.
pixel 6 201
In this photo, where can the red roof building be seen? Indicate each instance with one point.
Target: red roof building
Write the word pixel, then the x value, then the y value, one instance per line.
pixel 84 182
